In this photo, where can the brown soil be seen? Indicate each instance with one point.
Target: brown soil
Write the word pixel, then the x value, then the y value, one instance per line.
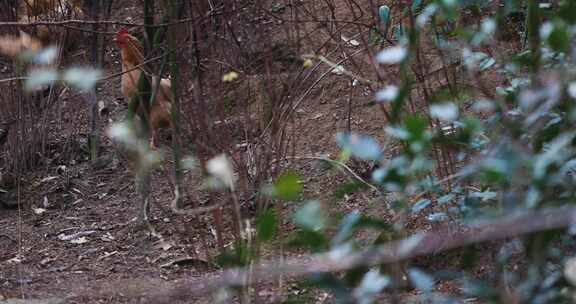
pixel 73 234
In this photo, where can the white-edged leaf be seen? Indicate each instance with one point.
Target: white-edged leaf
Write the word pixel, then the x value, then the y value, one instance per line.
pixel 437 217
pixel 123 132
pixel 338 70
pixel 483 105
pixel 221 168
pixel 410 244
pixel 82 78
pixel 384 14
pixel 310 216
pixel 450 3
pixel 477 60
pixel 572 89
pixel 570 270
pixel 420 205
pixel 446 111
pixel 484 196
pixel 421 280
pixel 425 15
pixel 486 63
pixel 189 162
pixel 372 283
pixel 392 55
pixel 361 146
pixel 488 26
pixel 40 77
pixel 389 93
pixel 546 29
pixel 45 55
pixel 339 252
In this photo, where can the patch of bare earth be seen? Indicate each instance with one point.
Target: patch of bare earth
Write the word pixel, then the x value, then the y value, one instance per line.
pixel 73 235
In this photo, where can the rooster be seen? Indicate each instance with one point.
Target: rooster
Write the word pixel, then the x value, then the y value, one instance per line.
pixel 41 36
pixel 29 11
pixel 13 46
pixel 132 58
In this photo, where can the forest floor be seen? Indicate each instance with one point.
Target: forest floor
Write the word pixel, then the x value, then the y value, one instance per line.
pixel 74 237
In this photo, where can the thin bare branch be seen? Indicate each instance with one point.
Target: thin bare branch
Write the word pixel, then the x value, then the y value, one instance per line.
pixel 420 244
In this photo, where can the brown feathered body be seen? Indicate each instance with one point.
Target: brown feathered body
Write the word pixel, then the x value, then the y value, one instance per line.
pixel 132 58
pixel 51 10
pixel 28 10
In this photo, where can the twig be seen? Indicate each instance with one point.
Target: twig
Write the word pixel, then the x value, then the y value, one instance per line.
pixel 340 164
pixel 91 22
pixel 103 78
pixel 420 244
pixel 8 237
pixel 194 211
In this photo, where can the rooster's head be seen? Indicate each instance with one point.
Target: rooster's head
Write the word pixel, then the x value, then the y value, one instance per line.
pixel 123 37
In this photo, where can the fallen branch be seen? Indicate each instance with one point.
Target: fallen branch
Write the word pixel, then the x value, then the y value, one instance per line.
pixel 420 244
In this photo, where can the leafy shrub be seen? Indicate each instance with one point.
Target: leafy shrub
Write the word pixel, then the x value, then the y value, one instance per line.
pixel 516 149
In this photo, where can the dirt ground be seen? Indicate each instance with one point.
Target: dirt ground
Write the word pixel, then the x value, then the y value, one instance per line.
pixel 74 237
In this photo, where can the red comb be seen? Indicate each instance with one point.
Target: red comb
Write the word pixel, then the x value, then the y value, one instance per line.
pixel 123 31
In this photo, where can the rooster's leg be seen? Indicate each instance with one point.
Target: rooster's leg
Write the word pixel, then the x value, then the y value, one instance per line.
pixel 152 138
pixel 145 210
pixel 143 186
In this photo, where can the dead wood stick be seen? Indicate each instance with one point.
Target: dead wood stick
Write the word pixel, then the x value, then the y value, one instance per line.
pixel 420 244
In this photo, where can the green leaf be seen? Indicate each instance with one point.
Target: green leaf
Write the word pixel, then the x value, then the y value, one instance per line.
pixel 277 8
pixel 398 32
pixel 311 216
pixel 473 287
pixel 266 225
pixel 348 188
pixel 484 196
pixel 416 4
pixel 346 227
pixel 313 240
pixel 474 3
pixel 420 205
pixel 354 276
pixel 373 223
pixel 486 63
pixel 384 14
pixel 437 217
pixel 333 284
pixel 445 199
pixel 361 146
pixel 371 285
pixel 288 186
pixel 567 11
pixel 237 258
pixel 421 280
pixel 559 39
